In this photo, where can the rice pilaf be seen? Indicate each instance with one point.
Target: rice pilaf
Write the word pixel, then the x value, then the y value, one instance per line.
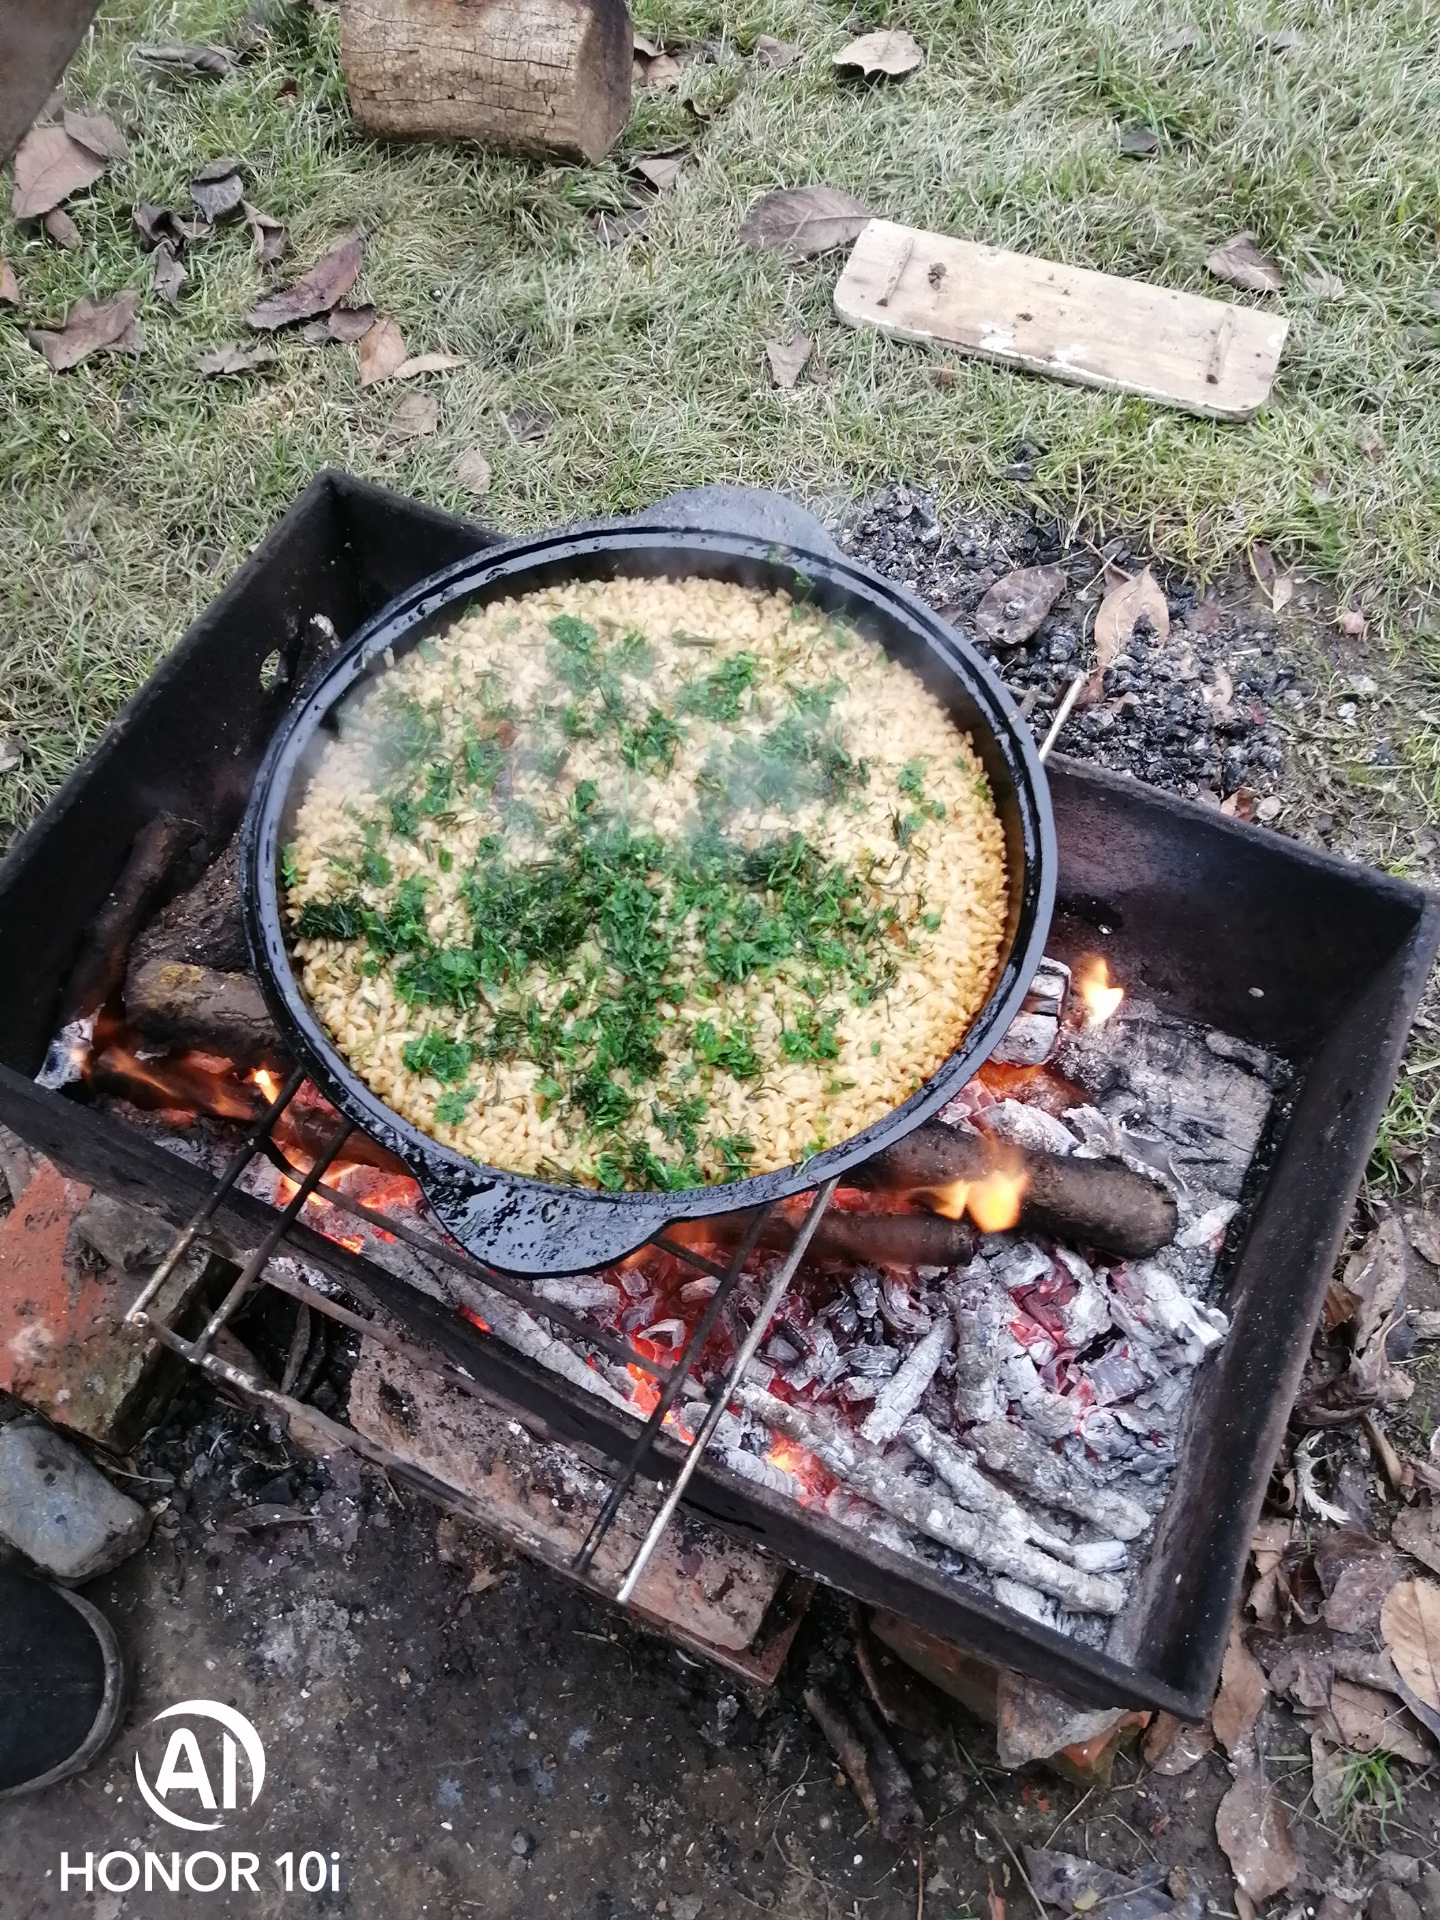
pixel 646 883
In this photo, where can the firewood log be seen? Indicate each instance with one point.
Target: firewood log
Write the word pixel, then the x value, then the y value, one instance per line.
pixel 524 76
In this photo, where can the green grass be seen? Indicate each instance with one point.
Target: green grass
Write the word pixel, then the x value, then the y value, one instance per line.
pixel 1368 1792
pixel 132 489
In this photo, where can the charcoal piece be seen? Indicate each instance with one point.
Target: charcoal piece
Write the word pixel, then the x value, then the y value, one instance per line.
pixel 202 927
pixel 845 1744
pixel 847 1239
pixel 901 1821
pixel 194 1006
pixel 1004 1450
pixel 904 1390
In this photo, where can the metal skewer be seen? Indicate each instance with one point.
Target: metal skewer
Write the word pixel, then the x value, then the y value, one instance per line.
pixel 1063 712
pixel 778 1288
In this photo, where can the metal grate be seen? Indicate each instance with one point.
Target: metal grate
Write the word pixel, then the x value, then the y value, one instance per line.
pixel 259 1141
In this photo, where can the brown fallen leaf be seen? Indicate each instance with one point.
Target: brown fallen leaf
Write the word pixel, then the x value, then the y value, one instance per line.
pixel 1303 1674
pixel 155 224
pixel 1283 591
pixel 1327 1775
pixel 1424 1229
pixel 1172 1747
pixel 1253 1829
pixel 472 470
pixel 1240 263
pixel 1129 598
pixel 348 324
pixel 217 62
pixel 788 357
pixel 9 285
pixel 234 359
pixel 218 198
pixel 892 52
pixel 1372 1722
pixel 1417 1532
pixel 428 363
pixel 1356 1572
pixel 380 351
pixel 1243 1688
pixel 662 170
pixel 317 291
pixel 269 236
pixel 49 167
pixel 62 229
pixel 170 276
pixel 611 228
pixel 109 328
pixel 774 55
pixel 804 221
pixel 662 74
pixel 1014 607
pixel 1376 1277
pixel 97 133
pixel 418 415
pixel 1410 1628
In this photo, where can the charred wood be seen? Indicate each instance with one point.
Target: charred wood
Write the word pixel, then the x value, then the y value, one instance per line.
pixel 905 1389
pixel 901 1821
pixel 194 1006
pixel 202 926
pixel 845 1239
pixel 1014 1456
pixel 846 1745
pixel 1097 1203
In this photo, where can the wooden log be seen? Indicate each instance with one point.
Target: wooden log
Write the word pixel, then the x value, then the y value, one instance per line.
pixel 186 1006
pixel 845 1238
pixel 523 76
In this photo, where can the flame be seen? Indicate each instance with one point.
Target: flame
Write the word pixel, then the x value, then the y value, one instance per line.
pixel 790 1457
pixel 1100 998
pixel 993 1202
pixel 266 1082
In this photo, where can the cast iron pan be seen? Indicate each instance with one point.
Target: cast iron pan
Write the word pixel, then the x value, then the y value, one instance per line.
pixel 527 1226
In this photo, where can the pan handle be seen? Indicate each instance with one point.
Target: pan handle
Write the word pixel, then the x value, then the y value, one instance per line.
pixel 527 1229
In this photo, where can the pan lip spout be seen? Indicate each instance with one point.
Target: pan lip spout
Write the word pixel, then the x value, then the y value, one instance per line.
pixel 530 1226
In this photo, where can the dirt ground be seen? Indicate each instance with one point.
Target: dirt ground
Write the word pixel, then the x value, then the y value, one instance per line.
pixel 472 1739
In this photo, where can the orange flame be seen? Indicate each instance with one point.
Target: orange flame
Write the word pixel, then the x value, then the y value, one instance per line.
pixel 266 1082
pixel 1100 998
pixel 993 1202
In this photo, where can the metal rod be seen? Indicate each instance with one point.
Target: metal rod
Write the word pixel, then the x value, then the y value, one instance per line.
pixel 185 1239
pixel 1063 712
pixel 258 1260
pixel 714 1268
pixel 603 1342
pixel 769 1306
pixel 679 1373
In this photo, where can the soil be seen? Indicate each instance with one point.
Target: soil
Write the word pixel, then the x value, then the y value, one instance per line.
pixel 472 1736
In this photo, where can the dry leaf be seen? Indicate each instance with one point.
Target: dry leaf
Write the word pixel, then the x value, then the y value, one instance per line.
pixel 1372 1722
pixel 1129 598
pixel 645 47
pixel 108 328
pixel 420 414
pixel 472 470
pixel 49 167
pixel 1014 607
pixel 218 197
pixel 270 236
pixel 1303 1673
pixel 773 54
pixel 1327 1774
pixel 9 285
pixel 1253 1828
pixel 891 52
pixel 662 170
pixel 62 229
pixel 1324 286
pixel 612 228
pixel 155 224
pixel 233 359
pixel 1410 1628
pixel 315 292
pixel 217 62
pixel 1243 1688
pixel 1356 1572
pixel 787 358
pixel 1425 1235
pixel 380 351
pixel 428 363
pixel 348 324
pixel 1417 1532
pixel 661 74
pixel 994 1902
pixel 804 221
pixel 1283 590
pixel 97 133
pixel 1241 264
pixel 170 276
pixel 1172 1748
pixel 1376 1276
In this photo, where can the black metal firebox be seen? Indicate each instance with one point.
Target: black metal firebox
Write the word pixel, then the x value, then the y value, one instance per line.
pixel 1317 961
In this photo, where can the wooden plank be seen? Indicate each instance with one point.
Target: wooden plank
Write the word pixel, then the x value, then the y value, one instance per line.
pixel 1211 357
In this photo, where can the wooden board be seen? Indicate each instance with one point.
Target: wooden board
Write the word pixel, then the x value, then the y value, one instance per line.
pixel 1211 357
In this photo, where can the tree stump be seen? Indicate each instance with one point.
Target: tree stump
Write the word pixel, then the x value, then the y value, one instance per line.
pixel 524 76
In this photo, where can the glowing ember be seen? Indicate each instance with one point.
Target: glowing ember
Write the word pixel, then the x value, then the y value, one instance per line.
pixel 644 1390
pixel 1100 998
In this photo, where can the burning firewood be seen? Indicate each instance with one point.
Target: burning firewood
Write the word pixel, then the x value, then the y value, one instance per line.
pixel 189 1006
pixel 847 1239
pixel 1097 1203
pixel 864 1469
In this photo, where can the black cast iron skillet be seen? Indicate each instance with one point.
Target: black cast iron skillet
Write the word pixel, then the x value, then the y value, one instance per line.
pixel 528 1226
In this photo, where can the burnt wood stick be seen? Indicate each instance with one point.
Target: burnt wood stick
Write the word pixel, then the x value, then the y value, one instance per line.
pixel 1095 1203
pixel 189 1006
pixel 100 968
pixel 847 1747
pixel 203 925
pixel 901 1821
pixel 846 1239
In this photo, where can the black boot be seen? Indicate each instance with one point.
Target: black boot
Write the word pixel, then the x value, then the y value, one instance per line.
pixel 62 1683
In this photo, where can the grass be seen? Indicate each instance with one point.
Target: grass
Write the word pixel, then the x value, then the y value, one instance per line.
pixel 132 489
pixel 1368 1791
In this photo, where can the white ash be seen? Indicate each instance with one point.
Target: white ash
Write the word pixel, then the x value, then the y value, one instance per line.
pixel 904 1390
pixel 581 1293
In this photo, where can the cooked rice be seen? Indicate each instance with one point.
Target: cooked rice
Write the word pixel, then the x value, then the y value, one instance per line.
pixel 878 780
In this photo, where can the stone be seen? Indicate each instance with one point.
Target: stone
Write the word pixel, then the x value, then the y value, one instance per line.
pixel 59 1510
pixel 130 1238
pixel 1427 1891
pixel 1389 1902
pixel 63 1349
pixel 1400 1869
